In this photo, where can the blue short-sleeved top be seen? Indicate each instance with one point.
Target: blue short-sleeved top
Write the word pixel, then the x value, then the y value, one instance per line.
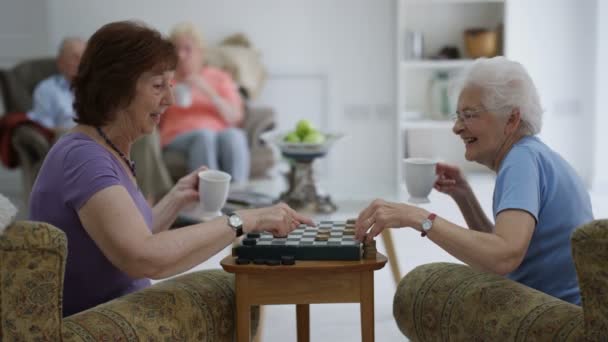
pixel 534 178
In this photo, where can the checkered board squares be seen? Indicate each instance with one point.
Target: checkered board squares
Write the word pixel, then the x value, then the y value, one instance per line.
pixel 330 240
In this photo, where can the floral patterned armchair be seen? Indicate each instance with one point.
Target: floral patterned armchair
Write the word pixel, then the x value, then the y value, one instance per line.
pixel 450 302
pixel 198 306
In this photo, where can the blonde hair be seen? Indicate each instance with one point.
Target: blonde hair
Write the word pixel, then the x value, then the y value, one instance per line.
pixel 188 29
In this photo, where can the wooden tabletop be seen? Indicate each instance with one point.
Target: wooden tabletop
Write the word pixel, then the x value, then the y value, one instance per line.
pixel 229 265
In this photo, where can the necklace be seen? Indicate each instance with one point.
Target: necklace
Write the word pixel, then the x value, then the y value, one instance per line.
pixel 130 163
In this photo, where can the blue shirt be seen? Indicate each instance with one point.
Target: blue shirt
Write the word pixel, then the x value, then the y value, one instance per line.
pixel 75 169
pixel 534 178
pixel 53 103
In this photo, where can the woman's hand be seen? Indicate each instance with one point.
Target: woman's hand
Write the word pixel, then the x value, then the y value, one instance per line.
pixel 185 191
pixel 279 220
pixel 450 181
pixel 381 214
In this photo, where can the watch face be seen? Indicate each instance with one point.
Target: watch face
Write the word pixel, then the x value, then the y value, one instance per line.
pixel 426 224
pixel 235 221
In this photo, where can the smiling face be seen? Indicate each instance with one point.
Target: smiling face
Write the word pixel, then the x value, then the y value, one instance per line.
pixel 190 55
pixel 153 96
pixel 483 132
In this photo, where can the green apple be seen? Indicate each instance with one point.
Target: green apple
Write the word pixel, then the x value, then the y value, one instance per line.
pixel 314 137
pixel 303 127
pixel 292 137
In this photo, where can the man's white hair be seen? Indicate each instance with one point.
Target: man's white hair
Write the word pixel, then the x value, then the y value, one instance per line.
pixel 505 86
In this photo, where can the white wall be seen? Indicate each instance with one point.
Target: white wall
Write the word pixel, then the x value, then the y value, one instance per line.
pixel 601 127
pixel 339 53
pixel 23 30
pixel 555 40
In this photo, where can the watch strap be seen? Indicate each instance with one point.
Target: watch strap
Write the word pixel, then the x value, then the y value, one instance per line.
pixel 431 218
pixel 238 229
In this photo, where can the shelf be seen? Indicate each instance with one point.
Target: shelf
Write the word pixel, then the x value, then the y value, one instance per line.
pixel 441 64
pixel 426 124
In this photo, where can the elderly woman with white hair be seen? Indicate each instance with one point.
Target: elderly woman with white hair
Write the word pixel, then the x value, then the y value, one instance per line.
pixel 204 123
pixel 538 198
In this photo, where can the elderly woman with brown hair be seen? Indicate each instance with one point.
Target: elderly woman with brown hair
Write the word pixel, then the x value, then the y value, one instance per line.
pixel 538 198
pixel 87 184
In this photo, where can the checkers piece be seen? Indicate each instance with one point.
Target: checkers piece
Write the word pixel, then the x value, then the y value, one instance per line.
pixel 273 262
pixel 249 242
pixel 242 261
pixel 351 221
pixel 369 249
pixel 253 235
pixel 288 260
pixel 259 261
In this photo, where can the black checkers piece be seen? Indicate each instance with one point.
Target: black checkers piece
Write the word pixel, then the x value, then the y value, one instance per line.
pixel 259 261
pixel 273 262
pixel 253 235
pixel 242 261
pixel 288 260
pixel 249 242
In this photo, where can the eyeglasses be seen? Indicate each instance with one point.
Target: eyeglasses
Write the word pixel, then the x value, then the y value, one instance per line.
pixel 466 116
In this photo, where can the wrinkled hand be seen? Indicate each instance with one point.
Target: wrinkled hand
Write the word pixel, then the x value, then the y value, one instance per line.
pixel 279 220
pixel 196 80
pixel 450 181
pixel 381 214
pixel 185 191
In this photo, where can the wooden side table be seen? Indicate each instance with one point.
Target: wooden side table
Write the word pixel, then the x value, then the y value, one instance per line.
pixel 302 284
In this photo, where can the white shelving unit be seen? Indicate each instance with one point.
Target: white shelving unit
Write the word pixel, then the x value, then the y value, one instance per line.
pixel 421 129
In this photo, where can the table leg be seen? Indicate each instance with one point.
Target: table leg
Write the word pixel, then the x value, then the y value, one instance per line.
pixel 243 308
pixel 367 306
pixel 303 322
pixel 393 262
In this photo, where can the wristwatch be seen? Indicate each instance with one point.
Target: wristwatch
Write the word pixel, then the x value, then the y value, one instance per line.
pixel 427 224
pixel 235 222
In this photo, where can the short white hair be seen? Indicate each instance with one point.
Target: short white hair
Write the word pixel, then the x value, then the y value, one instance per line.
pixel 506 85
pixel 188 29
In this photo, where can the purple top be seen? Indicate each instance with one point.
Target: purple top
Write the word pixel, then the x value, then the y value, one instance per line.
pixel 75 169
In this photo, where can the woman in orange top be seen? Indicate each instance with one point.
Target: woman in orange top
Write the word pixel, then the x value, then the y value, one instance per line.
pixel 203 124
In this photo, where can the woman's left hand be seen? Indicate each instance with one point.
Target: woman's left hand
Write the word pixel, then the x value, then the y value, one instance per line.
pixel 381 214
pixel 185 190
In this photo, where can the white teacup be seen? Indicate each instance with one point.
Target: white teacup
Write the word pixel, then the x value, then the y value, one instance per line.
pixel 183 95
pixel 213 187
pixel 420 176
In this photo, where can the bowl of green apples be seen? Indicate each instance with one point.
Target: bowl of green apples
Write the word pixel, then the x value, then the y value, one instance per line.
pixel 303 140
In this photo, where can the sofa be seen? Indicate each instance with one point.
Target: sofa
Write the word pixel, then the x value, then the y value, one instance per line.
pixel 157 173
pixel 198 306
pixel 451 302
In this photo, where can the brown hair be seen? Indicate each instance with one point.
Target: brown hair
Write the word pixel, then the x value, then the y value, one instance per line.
pixel 114 59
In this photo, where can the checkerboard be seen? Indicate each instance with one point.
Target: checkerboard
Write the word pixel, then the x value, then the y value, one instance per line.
pixel 330 240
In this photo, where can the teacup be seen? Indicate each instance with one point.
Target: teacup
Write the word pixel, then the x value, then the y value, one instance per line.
pixel 213 187
pixel 183 95
pixel 420 176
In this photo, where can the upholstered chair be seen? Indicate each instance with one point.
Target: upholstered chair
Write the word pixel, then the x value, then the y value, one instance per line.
pixel 197 306
pixel 451 302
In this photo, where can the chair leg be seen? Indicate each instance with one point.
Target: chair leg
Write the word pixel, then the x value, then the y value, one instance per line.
pixel 393 262
pixel 258 335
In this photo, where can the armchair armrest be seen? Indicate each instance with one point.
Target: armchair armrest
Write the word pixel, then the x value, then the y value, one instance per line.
pixel 30 144
pixel 590 252
pixel 198 306
pixel 257 121
pixel 33 258
pixel 450 302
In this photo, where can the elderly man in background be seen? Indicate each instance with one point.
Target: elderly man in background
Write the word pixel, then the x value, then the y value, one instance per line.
pixel 53 98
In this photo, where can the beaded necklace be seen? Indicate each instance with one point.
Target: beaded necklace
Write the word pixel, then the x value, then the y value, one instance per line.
pixel 130 163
